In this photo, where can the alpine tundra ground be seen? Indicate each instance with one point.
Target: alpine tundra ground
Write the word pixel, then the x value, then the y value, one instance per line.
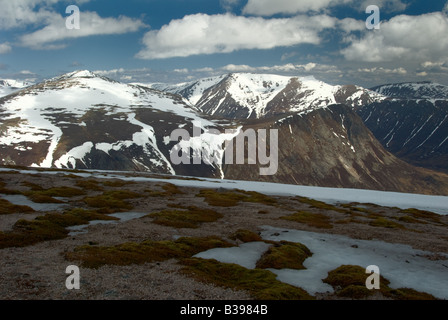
pixel 139 240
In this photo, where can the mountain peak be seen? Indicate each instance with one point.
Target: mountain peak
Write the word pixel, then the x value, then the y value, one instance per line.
pixel 80 74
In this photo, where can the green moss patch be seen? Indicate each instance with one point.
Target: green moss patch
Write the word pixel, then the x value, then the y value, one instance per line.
pixel 261 284
pixel 350 282
pixel 230 198
pixel 63 192
pixel 409 219
pixel 316 220
pixel 169 190
pixel 423 215
pixel 89 185
pixel 284 255
pixel 187 217
pixel 32 186
pixel 42 198
pixel 112 201
pixel 116 183
pixel 7 207
pixel 147 251
pixel 39 195
pixel 245 236
pixel 321 205
pixel 4 190
pixel 51 226
pixel 386 223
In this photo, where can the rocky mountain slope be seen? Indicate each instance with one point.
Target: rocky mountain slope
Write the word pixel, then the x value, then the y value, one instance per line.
pixel 412 123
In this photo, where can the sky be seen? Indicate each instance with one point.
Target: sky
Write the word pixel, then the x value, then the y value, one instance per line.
pixel 175 41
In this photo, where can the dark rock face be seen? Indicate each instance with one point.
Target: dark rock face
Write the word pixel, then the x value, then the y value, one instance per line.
pixel 331 147
pixel 412 123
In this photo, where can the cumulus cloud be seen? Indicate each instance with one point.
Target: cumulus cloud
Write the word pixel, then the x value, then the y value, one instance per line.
pixel 225 33
pixel 412 38
pixel 5 48
pixel 228 5
pixel 19 14
pixel 378 70
pixel 91 24
pixel 288 68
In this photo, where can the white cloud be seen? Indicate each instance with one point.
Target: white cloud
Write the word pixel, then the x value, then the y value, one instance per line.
pixel 27 72
pixel 90 25
pixel 183 70
pixel 209 34
pixel 288 68
pixel 5 48
pixel 19 14
pixel 378 70
pixel 440 66
pixel 228 5
pixel 412 38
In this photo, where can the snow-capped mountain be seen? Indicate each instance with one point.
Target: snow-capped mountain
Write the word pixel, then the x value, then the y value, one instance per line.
pixel 8 86
pixel 414 90
pixel 82 120
pixel 245 95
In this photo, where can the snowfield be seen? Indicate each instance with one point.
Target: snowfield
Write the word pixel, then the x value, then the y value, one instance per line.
pixel 437 204
pixel 402 265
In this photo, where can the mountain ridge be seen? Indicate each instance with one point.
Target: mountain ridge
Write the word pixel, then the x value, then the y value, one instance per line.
pixel 86 121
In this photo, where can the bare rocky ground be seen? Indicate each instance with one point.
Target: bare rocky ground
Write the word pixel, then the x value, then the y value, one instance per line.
pixel 37 272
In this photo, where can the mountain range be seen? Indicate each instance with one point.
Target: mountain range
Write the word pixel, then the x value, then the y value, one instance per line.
pixel 328 135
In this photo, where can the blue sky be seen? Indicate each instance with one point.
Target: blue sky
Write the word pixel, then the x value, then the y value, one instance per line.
pixel 182 40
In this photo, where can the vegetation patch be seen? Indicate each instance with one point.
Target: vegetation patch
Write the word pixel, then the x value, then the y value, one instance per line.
pixel 321 205
pixel 64 192
pixel 422 214
pixel 169 190
pixel 39 195
pixel 186 217
pixel 147 251
pixel 409 219
pixel 261 284
pixel 350 282
pixel 316 220
pixel 32 186
pixel 284 255
pixel 230 198
pixel 92 185
pixel 51 226
pixel 4 190
pixel 386 223
pixel 354 208
pixel 117 183
pixel 112 201
pixel 245 236
pixel 7 207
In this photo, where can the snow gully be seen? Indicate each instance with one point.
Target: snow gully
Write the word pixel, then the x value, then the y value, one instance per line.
pixel 206 147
